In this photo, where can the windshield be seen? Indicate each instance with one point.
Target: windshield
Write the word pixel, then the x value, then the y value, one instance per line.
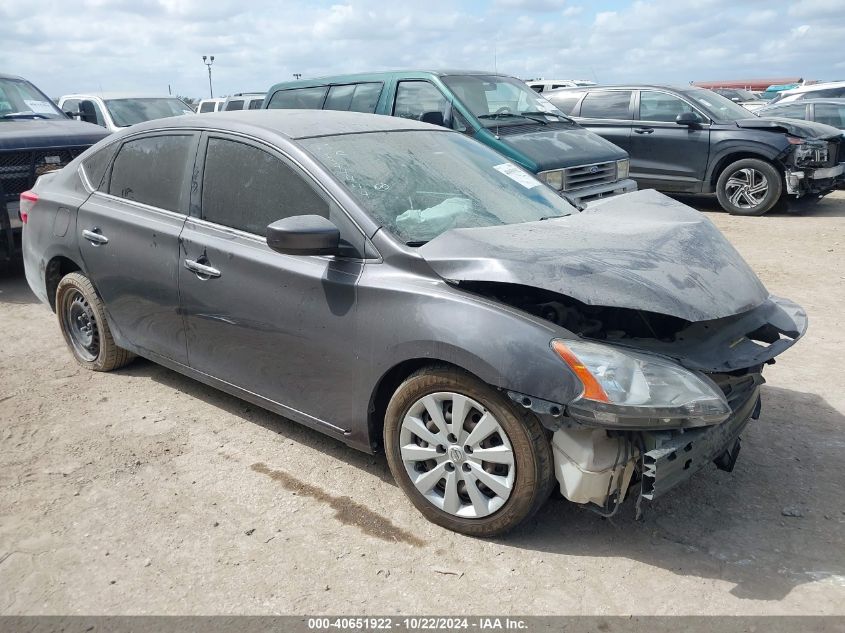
pixel 494 99
pixel 126 112
pixel 419 184
pixel 717 106
pixel 19 99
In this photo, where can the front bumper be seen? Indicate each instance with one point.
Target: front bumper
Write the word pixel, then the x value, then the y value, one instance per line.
pixel 589 195
pixel 809 180
pixel 672 457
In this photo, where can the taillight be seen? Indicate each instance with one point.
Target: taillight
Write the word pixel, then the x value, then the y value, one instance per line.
pixel 28 200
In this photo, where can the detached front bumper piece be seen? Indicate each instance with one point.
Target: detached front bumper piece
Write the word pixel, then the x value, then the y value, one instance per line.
pixel 672 457
pixel 809 180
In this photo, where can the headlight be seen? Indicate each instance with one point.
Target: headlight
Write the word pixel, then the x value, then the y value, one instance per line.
pixel 627 389
pixel 553 179
pixel 622 168
pixel 809 152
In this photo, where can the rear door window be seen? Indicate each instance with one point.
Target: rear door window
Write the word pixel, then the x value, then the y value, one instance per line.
pixel 237 104
pixel 831 114
pixel 354 97
pixel 298 98
pixel 255 104
pixel 152 170
pixel 607 104
pixel 208 106
pixel 793 111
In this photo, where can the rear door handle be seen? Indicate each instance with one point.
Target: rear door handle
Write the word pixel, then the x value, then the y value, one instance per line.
pixel 202 271
pixel 94 236
pixel 643 130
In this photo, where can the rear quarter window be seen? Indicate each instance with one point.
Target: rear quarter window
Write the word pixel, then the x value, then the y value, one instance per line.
pixel 96 165
pixel 298 98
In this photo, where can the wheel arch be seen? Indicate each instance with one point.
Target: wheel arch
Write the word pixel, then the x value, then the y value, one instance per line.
pixel 57 267
pixel 733 156
pixel 387 386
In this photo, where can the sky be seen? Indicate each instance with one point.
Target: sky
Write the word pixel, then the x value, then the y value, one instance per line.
pixel 149 46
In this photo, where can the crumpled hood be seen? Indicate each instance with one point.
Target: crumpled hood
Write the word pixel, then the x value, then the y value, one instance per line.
pixel 27 134
pixel 557 148
pixel 795 127
pixel 640 250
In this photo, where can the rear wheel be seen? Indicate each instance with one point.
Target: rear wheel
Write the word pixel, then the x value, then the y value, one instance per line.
pixel 749 186
pixel 467 458
pixel 82 320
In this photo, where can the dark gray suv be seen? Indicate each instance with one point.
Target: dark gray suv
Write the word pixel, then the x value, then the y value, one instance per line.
pixel 399 286
pixel 692 140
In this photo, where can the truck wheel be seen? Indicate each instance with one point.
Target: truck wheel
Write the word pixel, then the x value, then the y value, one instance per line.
pixel 82 320
pixel 467 458
pixel 749 186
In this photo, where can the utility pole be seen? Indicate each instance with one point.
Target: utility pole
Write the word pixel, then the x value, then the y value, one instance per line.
pixel 209 63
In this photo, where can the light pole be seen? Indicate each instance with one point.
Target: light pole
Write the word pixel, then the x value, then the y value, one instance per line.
pixel 209 63
pixel 297 76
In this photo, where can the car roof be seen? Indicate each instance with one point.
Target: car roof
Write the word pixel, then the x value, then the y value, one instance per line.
pixel 5 76
pixel 378 76
pixel 291 124
pixel 116 95
pixel 809 87
pixel 784 104
pixel 682 89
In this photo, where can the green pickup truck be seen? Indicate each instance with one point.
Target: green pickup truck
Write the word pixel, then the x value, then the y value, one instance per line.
pixel 500 111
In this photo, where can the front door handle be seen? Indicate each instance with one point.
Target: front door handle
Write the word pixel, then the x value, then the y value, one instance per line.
pixel 94 236
pixel 203 271
pixel 643 130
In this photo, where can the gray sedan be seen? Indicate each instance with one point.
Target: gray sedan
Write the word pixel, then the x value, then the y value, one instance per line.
pixel 402 287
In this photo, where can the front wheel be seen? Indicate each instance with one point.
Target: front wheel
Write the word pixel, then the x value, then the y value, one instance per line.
pixel 82 319
pixel 467 458
pixel 749 186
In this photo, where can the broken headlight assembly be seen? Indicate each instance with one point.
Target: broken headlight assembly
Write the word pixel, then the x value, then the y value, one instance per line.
pixel 629 390
pixel 809 152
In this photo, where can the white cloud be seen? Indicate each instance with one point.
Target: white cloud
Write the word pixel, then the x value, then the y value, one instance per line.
pixel 147 44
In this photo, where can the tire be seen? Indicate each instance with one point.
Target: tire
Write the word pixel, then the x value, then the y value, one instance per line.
pixel 82 320
pixel 749 186
pixel 479 511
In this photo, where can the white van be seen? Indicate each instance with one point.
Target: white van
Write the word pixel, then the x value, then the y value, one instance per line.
pixel 210 105
pixel 115 111
pixel 244 101
pixel 544 85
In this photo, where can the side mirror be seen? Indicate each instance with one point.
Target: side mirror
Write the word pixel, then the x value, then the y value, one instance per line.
pixel 687 118
pixel 435 118
pixel 304 235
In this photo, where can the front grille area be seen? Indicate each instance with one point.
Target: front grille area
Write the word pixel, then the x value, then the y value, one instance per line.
pixel 575 178
pixel 18 170
pixel 528 128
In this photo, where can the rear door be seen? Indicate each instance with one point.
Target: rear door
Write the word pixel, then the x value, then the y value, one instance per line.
pixel 278 326
pixel 128 235
pixel 664 155
pixel 608 114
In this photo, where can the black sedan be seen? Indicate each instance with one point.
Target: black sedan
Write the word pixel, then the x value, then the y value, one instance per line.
pixel 692 140
pixel 401 287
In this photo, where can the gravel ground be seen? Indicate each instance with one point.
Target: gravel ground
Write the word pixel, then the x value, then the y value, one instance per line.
pixel 144 492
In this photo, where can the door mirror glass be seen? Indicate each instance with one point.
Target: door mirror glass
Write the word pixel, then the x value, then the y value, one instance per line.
pixel 687 118
pixel 304 235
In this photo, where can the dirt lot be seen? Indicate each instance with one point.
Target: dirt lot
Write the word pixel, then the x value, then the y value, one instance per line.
pixel 142 491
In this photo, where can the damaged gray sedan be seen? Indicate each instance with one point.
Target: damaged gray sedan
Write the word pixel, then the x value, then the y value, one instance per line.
pixel 403 288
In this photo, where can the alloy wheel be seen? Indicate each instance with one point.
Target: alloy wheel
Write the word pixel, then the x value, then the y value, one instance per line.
pixel 457 455
pixel 747 188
